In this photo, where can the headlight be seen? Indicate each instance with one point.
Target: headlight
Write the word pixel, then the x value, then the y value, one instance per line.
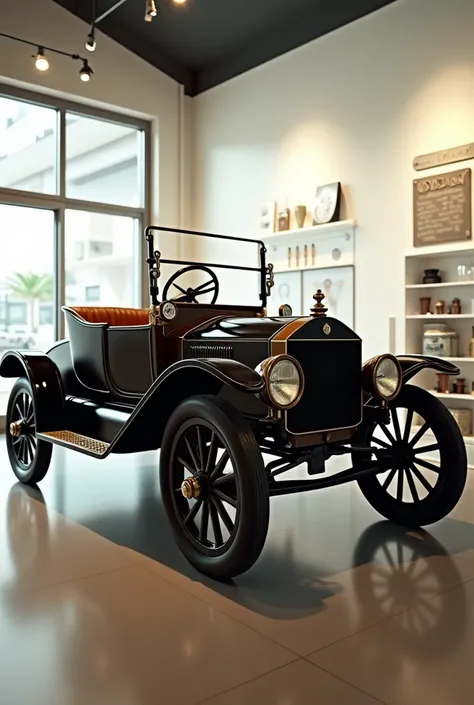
pixel 386 376
pixel 284 381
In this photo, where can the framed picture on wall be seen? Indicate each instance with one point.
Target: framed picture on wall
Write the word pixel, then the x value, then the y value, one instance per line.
pixel 337 285
pixel 287 290
pixel 268 216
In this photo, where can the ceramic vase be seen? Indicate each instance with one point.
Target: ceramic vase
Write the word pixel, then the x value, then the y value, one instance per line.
pixel 300 214
pixel 425 303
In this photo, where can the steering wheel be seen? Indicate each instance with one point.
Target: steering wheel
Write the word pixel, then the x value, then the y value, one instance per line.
pixel 191 295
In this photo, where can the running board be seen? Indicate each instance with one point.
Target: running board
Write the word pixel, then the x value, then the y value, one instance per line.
pixel 83 444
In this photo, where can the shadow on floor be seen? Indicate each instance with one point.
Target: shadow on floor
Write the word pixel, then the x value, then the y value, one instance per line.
pixel 388 562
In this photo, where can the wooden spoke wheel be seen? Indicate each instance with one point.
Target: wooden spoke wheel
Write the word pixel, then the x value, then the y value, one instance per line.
pixel 29 457
pixel 214 487
pixel 426 463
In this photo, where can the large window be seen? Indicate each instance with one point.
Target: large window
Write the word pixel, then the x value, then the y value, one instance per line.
pixel 28 146
pixel 101 262
pixel 26 282
pixel 73 186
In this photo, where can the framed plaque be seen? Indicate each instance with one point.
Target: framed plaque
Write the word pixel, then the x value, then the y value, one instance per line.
pixel 442 208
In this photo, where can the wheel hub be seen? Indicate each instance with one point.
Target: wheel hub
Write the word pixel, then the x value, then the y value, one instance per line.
pixel 403 453
pixel 191 488
pixel 16 428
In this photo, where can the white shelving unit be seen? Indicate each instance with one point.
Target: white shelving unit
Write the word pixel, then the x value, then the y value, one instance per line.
pixel 441 285
pixel 320 242
pixel 446 260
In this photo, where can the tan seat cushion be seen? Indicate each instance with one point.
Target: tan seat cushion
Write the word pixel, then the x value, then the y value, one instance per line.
pixel 113 316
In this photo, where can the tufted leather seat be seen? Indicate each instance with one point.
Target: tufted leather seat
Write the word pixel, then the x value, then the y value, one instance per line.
pixel 113 316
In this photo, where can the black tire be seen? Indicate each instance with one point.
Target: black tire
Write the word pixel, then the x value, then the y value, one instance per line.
pixel 215 426
pixel 430 501
pixel 29 458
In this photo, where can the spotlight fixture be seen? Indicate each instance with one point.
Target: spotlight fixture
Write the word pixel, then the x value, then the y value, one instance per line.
pixel 91 43
pixel 86 72
pixel 41 62
pixel 150 10
pixel 179 2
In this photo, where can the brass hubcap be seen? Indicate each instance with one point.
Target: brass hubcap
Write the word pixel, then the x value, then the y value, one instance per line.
pixel 15 429
pixel 191 488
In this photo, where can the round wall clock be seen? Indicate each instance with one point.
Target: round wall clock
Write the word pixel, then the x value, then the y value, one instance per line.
pixel 326 205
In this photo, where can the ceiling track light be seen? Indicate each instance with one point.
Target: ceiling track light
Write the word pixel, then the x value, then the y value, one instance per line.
pixel 150 10
pixel 90 42
pixel 86 72
pixel 41 62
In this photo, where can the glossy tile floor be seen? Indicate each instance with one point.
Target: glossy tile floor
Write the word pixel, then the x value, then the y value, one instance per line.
pixel 97 607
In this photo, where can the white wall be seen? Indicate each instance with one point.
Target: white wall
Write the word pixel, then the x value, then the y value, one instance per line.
pixel 121 82
pixel 355 106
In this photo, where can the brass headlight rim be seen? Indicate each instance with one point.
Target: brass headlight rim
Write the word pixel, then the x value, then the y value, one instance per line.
pixel 265 368
pixel 380 358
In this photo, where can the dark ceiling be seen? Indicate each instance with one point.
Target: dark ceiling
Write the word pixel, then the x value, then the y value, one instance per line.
pixel 206 42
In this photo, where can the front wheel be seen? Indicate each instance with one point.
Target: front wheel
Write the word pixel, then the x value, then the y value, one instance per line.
pixel 214 487
pixel 427 464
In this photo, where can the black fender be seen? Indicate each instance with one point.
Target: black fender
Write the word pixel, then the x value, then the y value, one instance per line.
pixel 183 379
pixel 46 384
pixel 412 364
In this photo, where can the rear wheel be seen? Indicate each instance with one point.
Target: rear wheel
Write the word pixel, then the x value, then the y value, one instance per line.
pixel 214 487
pixel 29 457
pixel 426 463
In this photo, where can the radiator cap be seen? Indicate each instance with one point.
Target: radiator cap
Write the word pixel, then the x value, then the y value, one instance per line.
pixel 319 310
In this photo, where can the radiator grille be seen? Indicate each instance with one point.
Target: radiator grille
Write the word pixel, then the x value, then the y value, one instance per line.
pixel 333 385
pixel 223 351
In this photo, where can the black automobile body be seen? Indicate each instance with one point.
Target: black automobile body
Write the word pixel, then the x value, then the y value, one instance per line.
pixel 234 399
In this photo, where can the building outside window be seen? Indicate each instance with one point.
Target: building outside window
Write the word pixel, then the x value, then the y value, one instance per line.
pixel 72 180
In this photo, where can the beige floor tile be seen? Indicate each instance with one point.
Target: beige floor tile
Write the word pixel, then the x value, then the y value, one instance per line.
pixel 307 609
pixel 423 655
pixel 300 683
pixel 124 637
pixel 39 547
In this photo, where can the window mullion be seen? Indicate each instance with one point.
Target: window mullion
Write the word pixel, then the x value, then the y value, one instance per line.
pixel 60 273
pixel 62 154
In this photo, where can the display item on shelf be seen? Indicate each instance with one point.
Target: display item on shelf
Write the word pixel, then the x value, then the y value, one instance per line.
pixel 456 307
pixel 443 383
pixel 471 344
pixel 431 276
pixel 425 303
pixel 460 386
pixel 439 307
pixel 463 418
pixel 300 215
pixel 439 341
pixel 465 271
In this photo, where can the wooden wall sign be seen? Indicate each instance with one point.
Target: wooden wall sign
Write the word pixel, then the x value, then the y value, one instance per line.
pixel 443 157
pixel 442 208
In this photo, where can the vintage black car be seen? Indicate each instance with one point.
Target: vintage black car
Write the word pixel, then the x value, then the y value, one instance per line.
pixel 234 399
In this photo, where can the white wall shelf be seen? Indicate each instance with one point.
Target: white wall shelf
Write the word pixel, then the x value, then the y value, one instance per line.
pixel 453 359
pixel 450 395
pixel 434 316
pixel 440 285
pixel 303 234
